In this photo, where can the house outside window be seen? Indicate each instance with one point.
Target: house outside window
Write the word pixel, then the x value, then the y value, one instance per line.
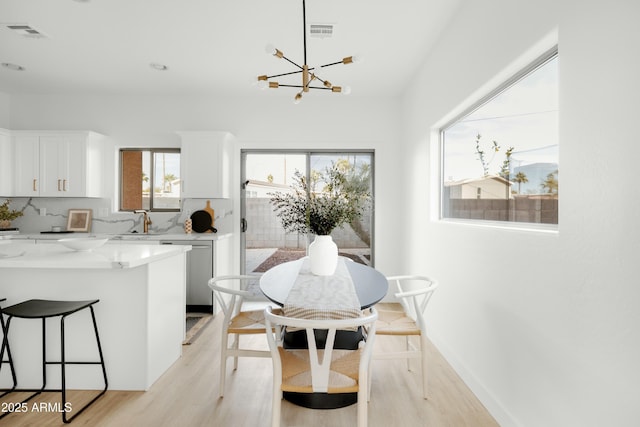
pixel 500 157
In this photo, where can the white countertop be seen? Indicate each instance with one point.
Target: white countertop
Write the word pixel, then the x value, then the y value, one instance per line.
pixel 172 236
pixel 119 237
pixel 113 255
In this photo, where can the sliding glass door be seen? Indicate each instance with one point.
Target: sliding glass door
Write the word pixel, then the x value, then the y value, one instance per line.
pixel 264 241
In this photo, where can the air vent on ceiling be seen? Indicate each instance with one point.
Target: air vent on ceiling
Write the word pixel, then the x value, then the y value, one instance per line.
pixel 321 30
pixel 26 30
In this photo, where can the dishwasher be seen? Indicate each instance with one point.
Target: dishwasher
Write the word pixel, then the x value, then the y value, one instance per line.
pixel 200 261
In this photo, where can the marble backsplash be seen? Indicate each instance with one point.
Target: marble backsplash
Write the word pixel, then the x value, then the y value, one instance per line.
pixel 41 214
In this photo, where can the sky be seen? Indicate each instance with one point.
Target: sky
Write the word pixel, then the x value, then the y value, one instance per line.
pixel 282 166
pixel 525 117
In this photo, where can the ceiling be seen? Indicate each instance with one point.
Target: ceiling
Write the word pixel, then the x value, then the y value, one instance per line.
pixel 212 46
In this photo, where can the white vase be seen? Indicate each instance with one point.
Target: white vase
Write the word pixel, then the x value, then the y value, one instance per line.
pixel 323 256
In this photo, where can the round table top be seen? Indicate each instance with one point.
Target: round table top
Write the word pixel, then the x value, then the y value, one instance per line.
pixel 370 285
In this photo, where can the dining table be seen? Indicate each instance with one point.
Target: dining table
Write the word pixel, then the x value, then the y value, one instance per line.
pixel 352 288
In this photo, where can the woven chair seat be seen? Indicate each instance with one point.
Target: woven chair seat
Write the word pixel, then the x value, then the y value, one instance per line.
pixel 343 374
pixel 249 322
pixel 392 320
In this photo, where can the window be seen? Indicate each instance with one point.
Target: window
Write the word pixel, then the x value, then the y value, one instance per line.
pixel 500 157
pixel 150 179
pixel 264 241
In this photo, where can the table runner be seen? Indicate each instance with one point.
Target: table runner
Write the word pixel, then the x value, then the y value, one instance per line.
pixel 323 297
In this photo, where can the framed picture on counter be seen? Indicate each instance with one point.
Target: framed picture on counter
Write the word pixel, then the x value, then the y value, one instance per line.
pixel 79 220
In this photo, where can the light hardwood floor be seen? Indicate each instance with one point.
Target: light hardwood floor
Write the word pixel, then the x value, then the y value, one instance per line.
pixel 187 395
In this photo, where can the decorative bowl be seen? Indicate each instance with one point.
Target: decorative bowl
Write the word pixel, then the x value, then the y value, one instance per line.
pixel 83 244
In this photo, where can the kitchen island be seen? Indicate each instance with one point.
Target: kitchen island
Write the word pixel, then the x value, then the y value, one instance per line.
pixel 141 313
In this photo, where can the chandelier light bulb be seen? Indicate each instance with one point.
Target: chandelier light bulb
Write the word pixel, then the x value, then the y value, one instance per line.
pixel 346 90
pixel 270 49
pixel 356 59
pixel 297 98
pixel 262 84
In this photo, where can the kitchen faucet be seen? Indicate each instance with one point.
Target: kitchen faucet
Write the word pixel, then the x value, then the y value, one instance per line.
pixel 146 220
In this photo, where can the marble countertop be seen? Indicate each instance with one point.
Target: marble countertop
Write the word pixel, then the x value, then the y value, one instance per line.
pixel 113 255
pixel 119 237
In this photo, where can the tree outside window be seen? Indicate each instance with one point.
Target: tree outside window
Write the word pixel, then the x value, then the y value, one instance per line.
pixel 500 159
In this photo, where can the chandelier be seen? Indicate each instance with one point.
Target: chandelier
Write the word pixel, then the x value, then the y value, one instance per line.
pixel 309 75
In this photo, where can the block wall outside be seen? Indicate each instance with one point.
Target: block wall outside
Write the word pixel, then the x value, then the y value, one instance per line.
pixel 520 209
pixel 265 231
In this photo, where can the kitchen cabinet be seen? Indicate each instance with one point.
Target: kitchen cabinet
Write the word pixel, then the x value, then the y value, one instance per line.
pixel 6 164
pixel 206 259
pixel 57 164
pixel 141 313
pixel 206 160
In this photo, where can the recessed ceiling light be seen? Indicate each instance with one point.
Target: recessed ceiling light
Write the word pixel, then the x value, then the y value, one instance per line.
pixel 25 30
pixel 13 67
pixel 159 67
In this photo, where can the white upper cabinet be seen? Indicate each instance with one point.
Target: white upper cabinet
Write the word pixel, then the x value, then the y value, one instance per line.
pixel 27 165
pixel 206 164
pixel 6 164
pixel 57 164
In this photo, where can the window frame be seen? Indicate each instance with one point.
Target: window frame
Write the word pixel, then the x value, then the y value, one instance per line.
pixel 152 151
pixel 487 96
pixel 308 152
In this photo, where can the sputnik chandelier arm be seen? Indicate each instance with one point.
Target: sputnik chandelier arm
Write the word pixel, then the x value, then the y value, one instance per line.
pixel 308 74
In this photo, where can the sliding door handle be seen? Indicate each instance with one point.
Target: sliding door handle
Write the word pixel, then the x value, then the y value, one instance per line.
pixel 243 225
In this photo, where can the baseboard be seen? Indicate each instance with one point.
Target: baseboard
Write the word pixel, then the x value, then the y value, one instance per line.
pixel 493 405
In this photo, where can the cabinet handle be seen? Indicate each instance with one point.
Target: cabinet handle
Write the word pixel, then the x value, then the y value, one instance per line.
pixel 59 184
pixel 64 185
pixel 35 181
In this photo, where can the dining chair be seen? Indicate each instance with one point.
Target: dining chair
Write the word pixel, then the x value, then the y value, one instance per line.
pixel 324 370
pixel 405 318
pixel 232 293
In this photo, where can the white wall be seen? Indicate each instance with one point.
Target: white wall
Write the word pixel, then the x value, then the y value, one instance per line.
pixel 543 326
pixel 267 121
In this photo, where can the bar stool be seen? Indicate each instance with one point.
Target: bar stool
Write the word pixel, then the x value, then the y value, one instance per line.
pixel 43 309
pixel 5 347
